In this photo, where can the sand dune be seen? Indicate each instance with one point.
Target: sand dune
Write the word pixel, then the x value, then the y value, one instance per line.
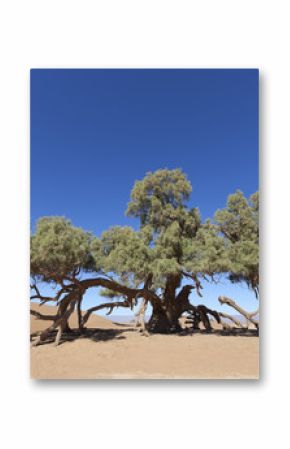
pixel 117 351
pixel 94 321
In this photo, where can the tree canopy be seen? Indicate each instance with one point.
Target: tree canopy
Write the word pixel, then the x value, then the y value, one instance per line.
pixel 149 264
pixel 59 249
pixel 239 226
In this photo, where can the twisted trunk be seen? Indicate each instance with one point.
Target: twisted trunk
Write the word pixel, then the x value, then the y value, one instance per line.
pixel 65 326
pixel 60 320
pixel 164 320
pixel 166 313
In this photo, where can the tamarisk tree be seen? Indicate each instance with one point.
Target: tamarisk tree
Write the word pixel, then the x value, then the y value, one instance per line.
pixel 239 225
pixel 158 264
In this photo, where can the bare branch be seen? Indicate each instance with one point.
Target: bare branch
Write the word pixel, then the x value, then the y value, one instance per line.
pixel 56 298
pixel 248 315
pixel 231 318
pixel 196 281
pixel 43 299
pixel 184 293
pixel 109 305
pixel 40 316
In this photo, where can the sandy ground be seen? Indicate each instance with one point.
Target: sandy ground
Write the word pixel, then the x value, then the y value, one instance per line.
pixel 116 351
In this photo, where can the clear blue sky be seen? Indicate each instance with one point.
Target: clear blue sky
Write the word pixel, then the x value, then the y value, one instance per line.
pixel 94 132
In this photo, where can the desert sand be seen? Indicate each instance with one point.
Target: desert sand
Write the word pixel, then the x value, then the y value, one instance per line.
pixel 117 351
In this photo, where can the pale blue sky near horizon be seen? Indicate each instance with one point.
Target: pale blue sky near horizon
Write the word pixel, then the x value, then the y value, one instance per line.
pixel 94 132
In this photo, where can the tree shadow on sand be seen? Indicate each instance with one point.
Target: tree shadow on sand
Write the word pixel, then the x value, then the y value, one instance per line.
pixel 102 335
pixel 93 334
pixel 234 332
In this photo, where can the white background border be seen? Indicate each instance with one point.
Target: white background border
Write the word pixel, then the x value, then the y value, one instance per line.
pixel 144 34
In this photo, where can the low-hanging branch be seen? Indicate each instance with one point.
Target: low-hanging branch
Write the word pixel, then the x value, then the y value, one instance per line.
pixel 109 305
pixel 197 283
pixel 199 314
pixel 231 318
pixel 41 316
pixel 75 294
pixel 248 315
pixel 45 299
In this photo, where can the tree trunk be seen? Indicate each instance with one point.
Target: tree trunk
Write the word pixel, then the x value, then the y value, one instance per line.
pixel 140 316
pixel 80 317
pixel 164 321
pixel 165 315
pixel 65 327
pixel 65 309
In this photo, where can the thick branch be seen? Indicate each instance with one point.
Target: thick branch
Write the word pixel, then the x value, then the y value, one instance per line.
pixel 75 292
pixel 148 282
pixel 248 315
pixel 79 311
pixel 196 281
pixel 39 296
pixel 211 312
pixel 40 316
pixel 231 318
pixel 130 293
pixel 183 295
pixel 109 305
pixel 139 316
pixel 172 283
pixel 44 299
pixel 59 321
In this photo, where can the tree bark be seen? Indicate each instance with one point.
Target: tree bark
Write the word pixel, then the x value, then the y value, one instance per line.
pixel 159 323
pixel 140 316
pixel 66 326
pixel 65 309
pixel 80 317
pixel 165 315
pixel 164 319
pixel 63 326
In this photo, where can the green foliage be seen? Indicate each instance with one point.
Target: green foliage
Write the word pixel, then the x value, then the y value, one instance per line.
pixel 171 239
pixel 206 254
pixel 238 221
pixel 59 249
pixel 158 197
pixel 107 293
pixel 159 201
pixel 125 252
pixel 239 225
pixel 162 268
